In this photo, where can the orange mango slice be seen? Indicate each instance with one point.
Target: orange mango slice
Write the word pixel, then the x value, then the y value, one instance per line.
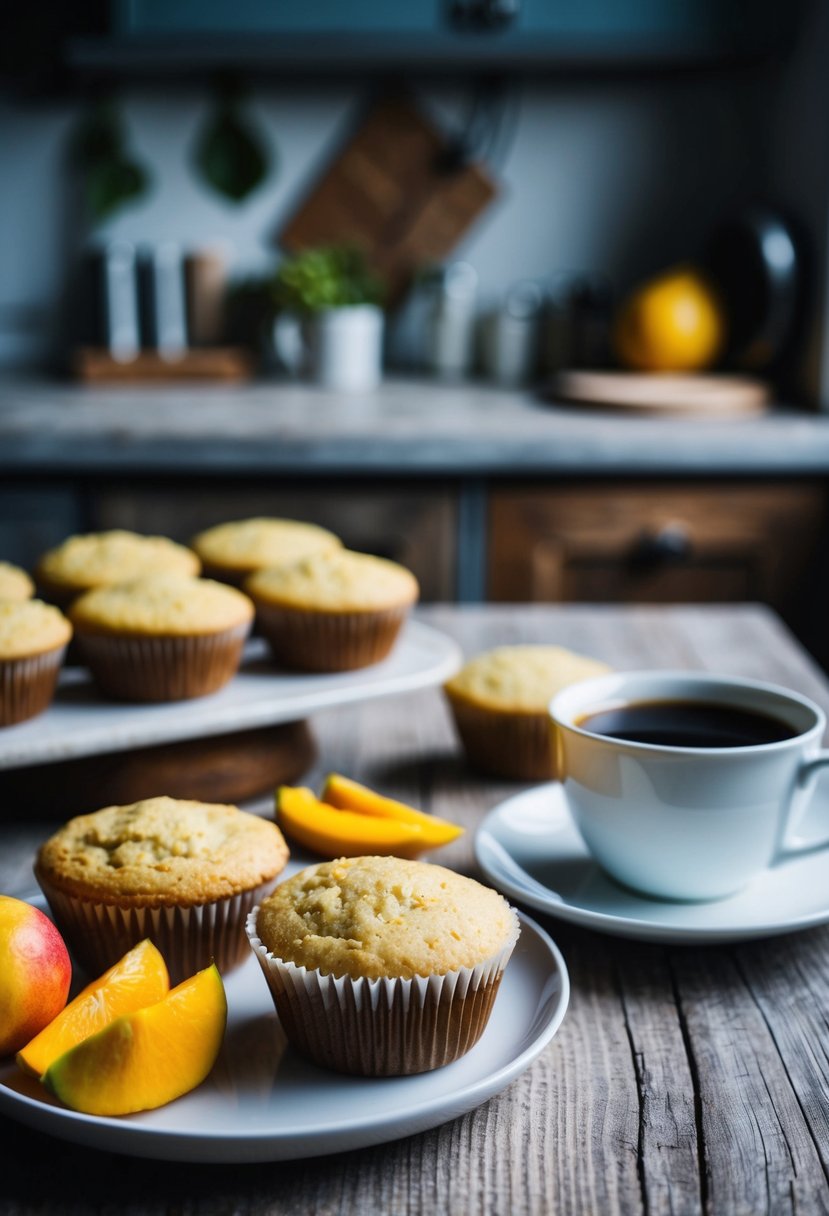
pixel 332 833
pixel 147 1058
pixel 138 979
pixel 348 795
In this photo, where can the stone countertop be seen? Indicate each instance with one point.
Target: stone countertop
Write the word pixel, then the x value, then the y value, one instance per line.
pixel 407 427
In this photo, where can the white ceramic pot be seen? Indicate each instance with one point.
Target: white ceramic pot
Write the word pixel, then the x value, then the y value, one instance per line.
pixel 340 349
pixel 345 347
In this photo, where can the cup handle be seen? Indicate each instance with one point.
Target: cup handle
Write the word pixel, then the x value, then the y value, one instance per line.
pixel 791 845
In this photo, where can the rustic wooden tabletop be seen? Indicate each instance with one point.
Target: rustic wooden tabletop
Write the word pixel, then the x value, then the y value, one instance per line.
pixel 683 1080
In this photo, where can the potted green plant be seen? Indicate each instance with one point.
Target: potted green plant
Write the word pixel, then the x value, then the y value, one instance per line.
pixel 330 296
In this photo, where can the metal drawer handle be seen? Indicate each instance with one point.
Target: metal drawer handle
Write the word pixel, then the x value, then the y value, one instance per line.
pixel 670 545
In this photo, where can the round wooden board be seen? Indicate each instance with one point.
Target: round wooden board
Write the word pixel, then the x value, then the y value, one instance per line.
pixel 221 768
pixel 662 392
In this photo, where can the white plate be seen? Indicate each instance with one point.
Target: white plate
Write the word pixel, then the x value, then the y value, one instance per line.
pixel 263 1102
pixel 530 849
pixel 81 723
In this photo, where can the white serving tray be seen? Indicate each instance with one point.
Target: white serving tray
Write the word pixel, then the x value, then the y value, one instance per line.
pixel 80 722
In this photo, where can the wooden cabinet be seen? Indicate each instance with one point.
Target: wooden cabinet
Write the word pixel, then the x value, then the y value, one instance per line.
pixel 413 525
pixel 655 542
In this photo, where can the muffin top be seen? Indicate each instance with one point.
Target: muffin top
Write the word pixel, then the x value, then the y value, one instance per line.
pixel 29 627
pixel 341 581
pixel 162 852
pixel 521 679
pixel 381 916
pixel 15 583
pixel 252 544
pixel 166 605
pixel 100 558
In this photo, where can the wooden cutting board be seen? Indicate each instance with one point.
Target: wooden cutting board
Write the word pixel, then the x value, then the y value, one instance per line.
pixel 662 392
pixel 391 191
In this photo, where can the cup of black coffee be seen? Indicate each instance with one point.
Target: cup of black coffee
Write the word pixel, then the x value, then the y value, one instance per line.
pixel 683 785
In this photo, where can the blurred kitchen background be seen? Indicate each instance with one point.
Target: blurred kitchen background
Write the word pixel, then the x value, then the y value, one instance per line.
pixel 527 294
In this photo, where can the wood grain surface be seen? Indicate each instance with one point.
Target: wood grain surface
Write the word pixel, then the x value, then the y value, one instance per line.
pixel 683 1080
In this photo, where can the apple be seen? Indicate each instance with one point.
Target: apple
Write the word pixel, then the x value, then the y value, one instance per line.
pixel 35 973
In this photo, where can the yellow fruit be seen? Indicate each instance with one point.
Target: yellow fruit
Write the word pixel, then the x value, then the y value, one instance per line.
pixel 348 795
pixel 139 979
pixel 147 1058
pixel 332 833
pixel 674 323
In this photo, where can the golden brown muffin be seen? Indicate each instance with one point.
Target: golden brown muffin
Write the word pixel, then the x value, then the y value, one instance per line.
pixel 414 953
pixel 332 612
pixel 164 638
pixel 33 641
pixel 232 551
pixel 99 558
pixel 500 702
pixel 15 583
pixel 184 874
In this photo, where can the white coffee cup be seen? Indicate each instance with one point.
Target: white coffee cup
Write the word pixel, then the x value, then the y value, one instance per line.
pixel 688 823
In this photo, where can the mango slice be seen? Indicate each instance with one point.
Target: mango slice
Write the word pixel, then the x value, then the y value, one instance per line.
pixel 332 833
pixel 147 1058
pixel 349 795
pixel 138 979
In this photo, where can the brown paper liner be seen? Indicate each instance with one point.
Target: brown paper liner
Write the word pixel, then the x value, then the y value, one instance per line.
pixel 382 1027
pixel 189 938
pixel 27 685
pixel 518 746
pixel 141 668
pixel 329 641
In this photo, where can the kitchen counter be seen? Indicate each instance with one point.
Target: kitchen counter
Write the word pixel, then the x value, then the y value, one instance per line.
pixel 685 1079
pixel 408 427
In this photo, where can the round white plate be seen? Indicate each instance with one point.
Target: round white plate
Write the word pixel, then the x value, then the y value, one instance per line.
pixel 530 849
pixel 263 1102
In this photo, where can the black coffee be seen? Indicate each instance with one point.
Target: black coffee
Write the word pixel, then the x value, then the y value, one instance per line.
pixel 686 724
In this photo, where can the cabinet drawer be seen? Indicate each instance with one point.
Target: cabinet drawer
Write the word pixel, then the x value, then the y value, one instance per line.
pixel 658 543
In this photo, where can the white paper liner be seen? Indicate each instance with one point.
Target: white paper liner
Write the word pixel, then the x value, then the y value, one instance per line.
pixel 27 685
pixel 189 938
pixel 163 668
pixel 382 1027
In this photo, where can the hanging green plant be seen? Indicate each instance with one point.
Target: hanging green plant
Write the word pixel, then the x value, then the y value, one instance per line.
pixel 230 154
pixel 110 176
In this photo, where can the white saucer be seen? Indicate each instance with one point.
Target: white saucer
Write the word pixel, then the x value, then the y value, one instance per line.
pixel 263 1102
pixel 530 849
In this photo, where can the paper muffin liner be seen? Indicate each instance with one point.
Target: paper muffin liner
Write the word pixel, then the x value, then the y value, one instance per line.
pixel 27 685
pixel 189 938
pixel 382 1027
pixel 329 641
pixel 144 668
pixel 518 746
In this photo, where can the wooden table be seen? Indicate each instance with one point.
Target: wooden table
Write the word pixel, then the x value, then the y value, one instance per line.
pixel 683 1080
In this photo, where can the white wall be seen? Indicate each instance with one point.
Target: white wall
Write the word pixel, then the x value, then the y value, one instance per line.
pixel 616 178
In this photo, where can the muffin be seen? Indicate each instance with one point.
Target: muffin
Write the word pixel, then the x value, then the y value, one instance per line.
pixel 15 583
pixel 383 967
pixel 333 611
pixel 98 559
pixel 500 702
pixel 33 640
pixel 166 638
pixel 230 552
pixel 184 874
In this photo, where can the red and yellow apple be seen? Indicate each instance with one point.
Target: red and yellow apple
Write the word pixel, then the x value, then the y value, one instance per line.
pixel 35 973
